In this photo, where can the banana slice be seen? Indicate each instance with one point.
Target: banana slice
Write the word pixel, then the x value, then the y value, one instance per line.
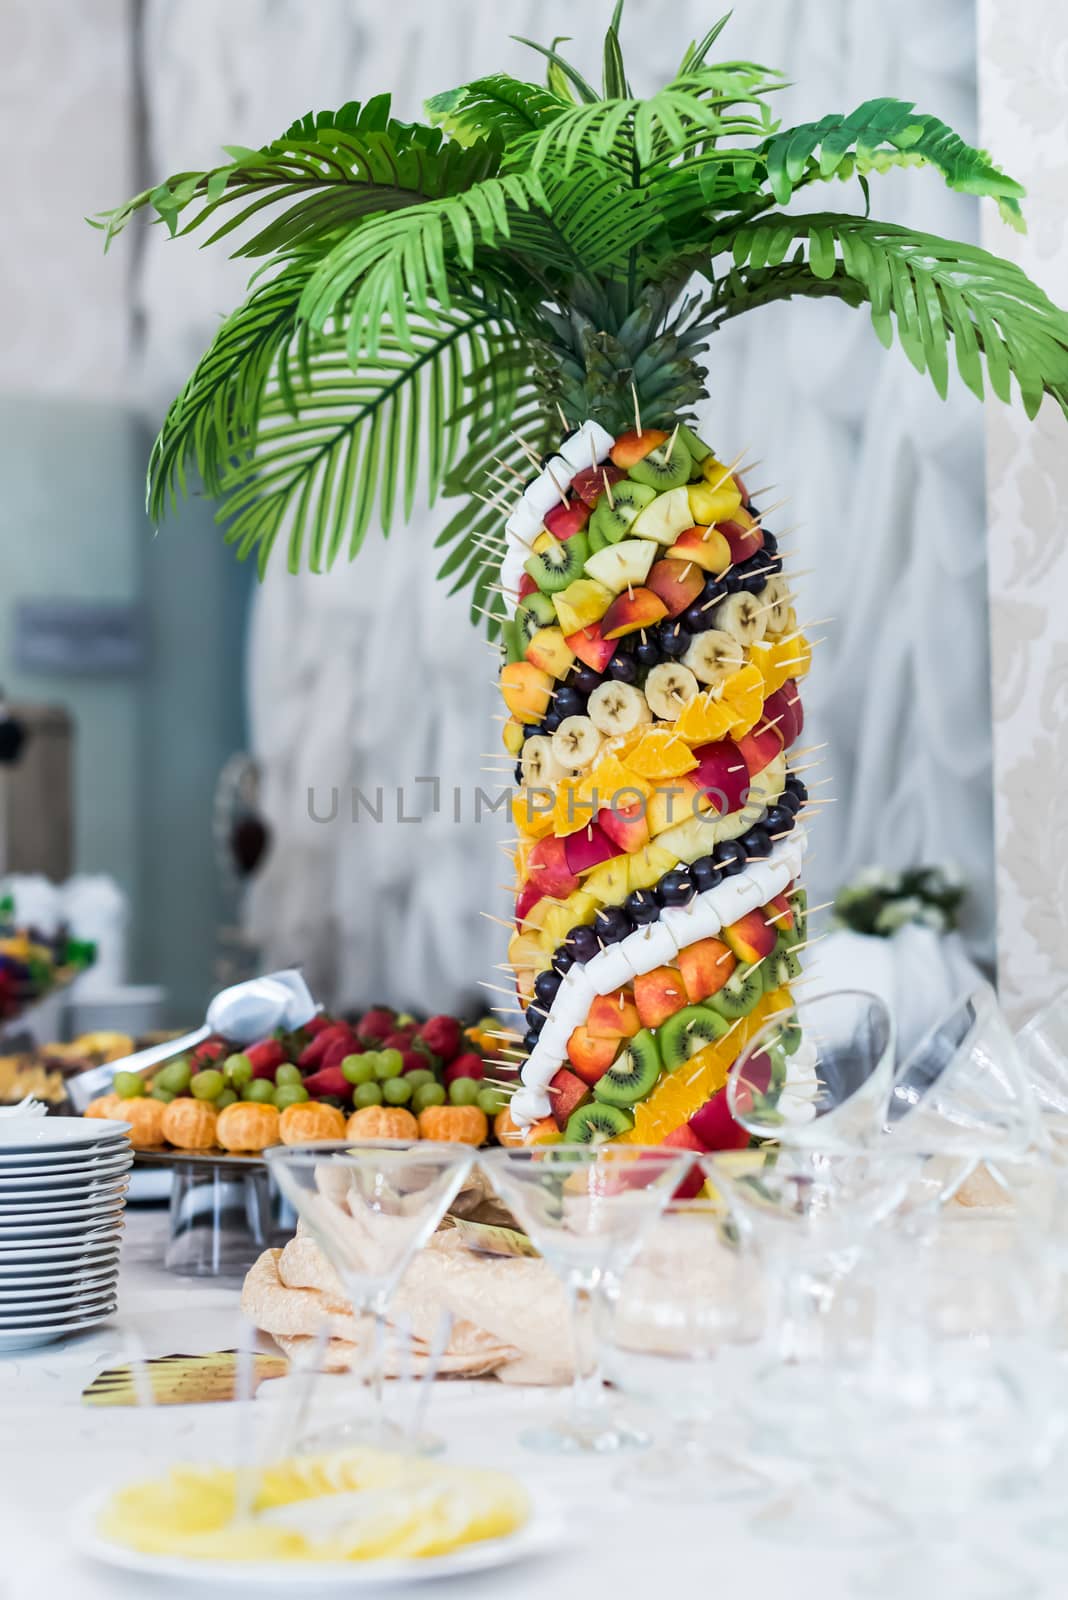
pixel 741 615
pixel 576 742
pixel 540 766
pixel 669 687
pixel 776 597
pixel 713 656
pixel 616 708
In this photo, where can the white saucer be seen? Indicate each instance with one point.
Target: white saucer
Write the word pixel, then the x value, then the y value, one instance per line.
pixel 28 1313
pixel 59 1133
pixel 94 1223
pixel 62 1185
pixel 42 1284
pixel 46 1209
pixel 45 1174
pixel 53 1253
pixel 28 1338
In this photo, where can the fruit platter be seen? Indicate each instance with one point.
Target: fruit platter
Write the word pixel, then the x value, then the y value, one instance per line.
pixel 34 965
pixel 381 1075
pixel 652 657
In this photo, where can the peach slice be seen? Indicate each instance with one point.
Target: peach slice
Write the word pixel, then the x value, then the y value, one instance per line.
pixel 627 826
pixel 638 608
pixel 544 1131
pixel 550 651
pixel 705 968
pixel 658 995
pixel 705 547
pixel 563 522
pixel 590 1057
pixel 742 534
pixel 630 448
pixel 591 647
pixel 526 690
pixel 678 583
pixel 750 938
pixel 613 1016
pixel 780 912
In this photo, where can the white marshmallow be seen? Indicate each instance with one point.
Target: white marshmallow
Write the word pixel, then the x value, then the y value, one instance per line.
pixel 544 493
pixel 576 450
pixel 523 524
pixel 608 969
pixel 529 1106
pixel 511 572
pixel 554 1035
pixel 650 947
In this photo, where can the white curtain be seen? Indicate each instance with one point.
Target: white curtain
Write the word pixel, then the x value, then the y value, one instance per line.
pixel 371 676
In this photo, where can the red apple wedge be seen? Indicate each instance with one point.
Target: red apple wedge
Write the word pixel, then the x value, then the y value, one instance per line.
pixel 749 937
pixel 613 1016
pixel 715 1127
pixel 590 1057
pixel 563 522
pixel 547 867
pixel 658 995
pixel 626 826
pixel 705 967
pixel 678 583
pixel 634 609
pixel 591 646
pixel 588 848
pixel 567 1092
pixel 760 747
pixel 722 775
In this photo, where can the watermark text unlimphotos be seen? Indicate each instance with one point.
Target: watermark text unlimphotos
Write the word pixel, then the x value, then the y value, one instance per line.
pixel 424 797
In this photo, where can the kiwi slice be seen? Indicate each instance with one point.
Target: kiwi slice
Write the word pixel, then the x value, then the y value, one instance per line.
pixel 559 564
pixel 699 451
pixel 537 611
pixel 739 994
pixel 632 1074
pixel 592 1123
pixel 598 540
pixel 782 967
pixel 513 640
pixel 667 467
pixel 688 1031
pixel 799 907
pixel 611 521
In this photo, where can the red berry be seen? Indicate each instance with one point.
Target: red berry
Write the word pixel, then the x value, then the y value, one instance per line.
pixel 312 1054
pixel 266 1058
pixel 318 1024
pixel 338 1049
pixel 714 1126
pixel 399 1040
pixel 329 1080
pixel 414 1060
pixel 376 1023
pixel 442 1035
pixel 465 1066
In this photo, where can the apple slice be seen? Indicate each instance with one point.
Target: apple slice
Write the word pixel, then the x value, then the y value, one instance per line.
pixel 547 866
pixel 705 966
pixel 591 646
pixel 715 1127
pixel 760 748
pixel 563 522
pixel 630 448
pixel 549 650
pixel 589 483
pixel 658 995
pixel 639 608
pixel 590 1057
pixel 742 534
pixel 622 566
pixel 705 547
pixel 723 775
pixel 526 900
pixel 588 848
pixel 527 586
pixel 583 602
pixel 750 937
pixel 784 708
pixel 613 1016
pixel 678 583
pixel 567 1093
pixel 663 518
pixel 627 826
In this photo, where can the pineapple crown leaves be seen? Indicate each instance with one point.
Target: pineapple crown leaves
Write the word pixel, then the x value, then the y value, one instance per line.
pixel 426 290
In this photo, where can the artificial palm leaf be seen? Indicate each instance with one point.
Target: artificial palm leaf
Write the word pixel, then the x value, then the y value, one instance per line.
pixel 425 288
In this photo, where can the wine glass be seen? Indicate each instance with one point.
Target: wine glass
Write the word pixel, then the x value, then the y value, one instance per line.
pixel 1042 1043
pixel 819 1074
pixel 956 1412
pixel 678 1331
pixel 587 1208
pixel 813 1216
pixel 370 1207
pixel 963 1088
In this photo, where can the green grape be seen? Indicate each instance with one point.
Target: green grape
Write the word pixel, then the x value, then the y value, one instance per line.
pixel 175 1076
pixel 390 1064
pixel 359 1069
pixel 238 1069
pixel 129 1085
pixel 428 1094
pixel 491 1101
pixel 227 1098
pixel 464 1091
pixel 420 1076
pixel 160 1093
pixel 207 1085
pixel 290 1094
pixel 403 1019
pixel 288 1073
pixel 397 1091
pixel 367 1094
pixel 260 1090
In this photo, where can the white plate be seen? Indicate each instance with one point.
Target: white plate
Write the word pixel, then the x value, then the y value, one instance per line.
pixel 92 1226
pixel 45 1210
pixel 542 1533
pixel 47 1332
pixel 58 1133
pixel 46 1283
pixel 51 1200
pixel 48 1173
pixel 61 1186
pixel 55 1253
pixel 28 1315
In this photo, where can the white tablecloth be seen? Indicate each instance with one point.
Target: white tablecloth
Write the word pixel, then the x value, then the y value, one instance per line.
pixel 54 1451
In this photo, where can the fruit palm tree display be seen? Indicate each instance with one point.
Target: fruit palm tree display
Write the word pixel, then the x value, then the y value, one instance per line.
pixel 511 301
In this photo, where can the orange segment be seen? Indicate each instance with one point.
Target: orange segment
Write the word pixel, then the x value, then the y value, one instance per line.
pixel 705 720
pixel 680 1094
pixel 743 692
pixel 661 754
pixel 530 816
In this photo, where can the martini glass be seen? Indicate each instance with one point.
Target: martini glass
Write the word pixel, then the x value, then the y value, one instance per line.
pixel 819 1074
pixel 963 1090
pixel 370 1207
pixel 587 1208
pixel 679 1332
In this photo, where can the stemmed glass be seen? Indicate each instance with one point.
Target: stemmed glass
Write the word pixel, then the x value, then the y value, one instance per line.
pixel 1042 1043
pixel 819 1074
pixel 587 1208
pixel 679 1332
pixel 370 1207
pixel 963 1089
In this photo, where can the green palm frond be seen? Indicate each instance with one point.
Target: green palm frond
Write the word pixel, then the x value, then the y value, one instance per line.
pixel 495 107
pixel 932 292
pixel 881 134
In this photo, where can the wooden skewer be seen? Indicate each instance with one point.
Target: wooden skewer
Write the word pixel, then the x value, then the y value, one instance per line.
pixel 558 486
pixel 563 419
pixel 608 491
pixel 728 470
pixel 498 920
pixel 671 442
pixel 637 412
pixel 507 465
pixel 526 449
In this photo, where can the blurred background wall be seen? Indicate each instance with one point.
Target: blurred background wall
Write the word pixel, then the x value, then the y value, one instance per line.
pixel 371 675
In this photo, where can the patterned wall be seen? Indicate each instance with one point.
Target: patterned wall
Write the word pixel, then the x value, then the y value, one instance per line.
pixel 1024 121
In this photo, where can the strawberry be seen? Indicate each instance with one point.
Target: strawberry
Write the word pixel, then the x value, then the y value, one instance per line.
pixel 414 1061
pixel 318 1024
pixel 399 1039
pixel 329 1080
pixel 443 1036
pixel 312 1054
pixel 338 1049
pixel 465 1066
pixel 266 1058
pixel 684 1138
pixel 211 1050
pixel 376 1023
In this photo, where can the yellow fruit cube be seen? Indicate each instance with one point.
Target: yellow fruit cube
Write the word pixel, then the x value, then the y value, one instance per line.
pixel 646 867
pixel 581 604
pixel 709 505
pixel 550 651
pixel 512 736
pixel 689 839
pixel 610 882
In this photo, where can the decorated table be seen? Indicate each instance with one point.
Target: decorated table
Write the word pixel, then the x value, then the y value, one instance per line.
pixel 616 1543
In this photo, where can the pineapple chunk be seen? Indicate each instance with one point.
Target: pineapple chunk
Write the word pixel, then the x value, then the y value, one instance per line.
pixel 610 882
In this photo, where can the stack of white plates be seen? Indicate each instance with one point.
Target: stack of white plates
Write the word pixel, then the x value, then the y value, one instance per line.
pixel 62 1192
